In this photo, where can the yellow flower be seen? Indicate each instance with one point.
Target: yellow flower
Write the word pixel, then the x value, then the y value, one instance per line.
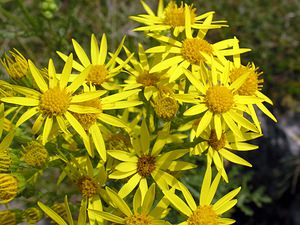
pixel 32 215
pixel 220 102
pixel 35 154
pixel 205 212
pixel 174 17
pixel 8 187
pixel 224 148
pixel 61 214
pixel 16 66
pixel 143 211
pixel 89 120
pixel 140 77
pixel 89 180
pixel 5 155
pixel 101 71
pixel 251 87
pixel 142 162
pixel 192 52
pixel 8 217
pixel 54 102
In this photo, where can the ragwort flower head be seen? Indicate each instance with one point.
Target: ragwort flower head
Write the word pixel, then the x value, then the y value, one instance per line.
pixel 205 212
pixel 101 70
pixel 16 66
pixel 143 213
pixel 220 102
pixel 54 101
pixel 174 17
pixel 143 162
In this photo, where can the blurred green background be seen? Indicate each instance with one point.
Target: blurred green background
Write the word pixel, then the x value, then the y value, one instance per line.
pixel 270 195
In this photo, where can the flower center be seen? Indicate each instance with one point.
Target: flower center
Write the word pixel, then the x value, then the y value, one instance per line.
pixel 174 15
pixel 8 187
pixel 166 108
pixel 146 165
pixel 147 79
pixel 119 141
pixel 54 102
pixel 88 119
pixel 203 215
pixel 251 85
pixel 193 48
pixel 5 161
pixel 214 142
pixel 138 219
pixel 97 74
pixel 87 186
pixel 219 99
pixel 35 154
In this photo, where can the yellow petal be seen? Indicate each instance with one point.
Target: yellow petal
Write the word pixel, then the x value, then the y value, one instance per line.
pixel 81 54
pixel 39 80
pixel 119 202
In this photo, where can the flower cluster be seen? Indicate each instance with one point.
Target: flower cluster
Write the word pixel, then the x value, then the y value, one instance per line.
pixel 121 127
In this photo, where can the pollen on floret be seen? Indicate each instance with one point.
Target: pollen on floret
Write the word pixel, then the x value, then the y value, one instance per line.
pixel 166 108
pixel 35 154
pixel 174 15
pixel 97 75
pixel 252 83
pixel 88 119
pixel 54 102
pixel 16 66
pixel 203 215
pixel 216 143
pixel 87 186
pixel 147 79
pixel 8 187
pixel 146 165
pixel 138 219
pixel 193 47
pixel 219 99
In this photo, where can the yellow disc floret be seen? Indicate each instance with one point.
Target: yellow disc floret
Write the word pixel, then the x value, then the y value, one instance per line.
pixel 166 108
pixel 219 99
pixel 97 75
pixel 147 79
pixel 193 48
pixel 54 102
pixel 8 187
pixel 203 215
pixel 252 83
pixel 174 15
pixel 214 142
pixel 146 165
pixel 87 186
pixel 88 119
pixel 138 219
pixel 35 154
